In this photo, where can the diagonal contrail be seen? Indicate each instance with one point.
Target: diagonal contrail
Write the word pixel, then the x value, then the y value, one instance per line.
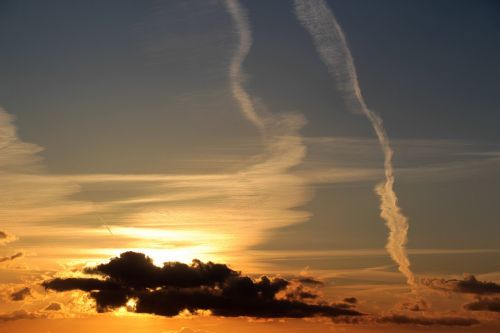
pixel 332 47
pixel 235 68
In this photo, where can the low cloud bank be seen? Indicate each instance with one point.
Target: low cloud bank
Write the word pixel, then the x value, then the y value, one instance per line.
pixel 491 304
pixel 469 285
pixel 428 321
pixel 18 315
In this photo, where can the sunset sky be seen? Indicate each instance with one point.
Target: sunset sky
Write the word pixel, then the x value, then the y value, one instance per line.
pixel 338 158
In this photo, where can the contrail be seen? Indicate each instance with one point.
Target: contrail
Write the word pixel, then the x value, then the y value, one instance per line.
pixel 236 76
pixel 332 47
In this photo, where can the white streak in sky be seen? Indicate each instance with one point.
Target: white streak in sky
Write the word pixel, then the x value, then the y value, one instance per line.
pixel 235 69
pixel 332 47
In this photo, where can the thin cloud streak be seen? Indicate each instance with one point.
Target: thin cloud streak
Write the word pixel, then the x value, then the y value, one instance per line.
pixel 12 257
pixel 333 49
pixel 235 69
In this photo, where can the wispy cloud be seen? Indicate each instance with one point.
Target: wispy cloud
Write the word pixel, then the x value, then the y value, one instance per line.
pixel 235 69
pixel 27 195
pixel 41 207
pixel 333 49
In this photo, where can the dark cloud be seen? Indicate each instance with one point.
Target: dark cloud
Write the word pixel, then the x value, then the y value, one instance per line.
pixel 174 274
pixel 348 303
pixel 418 305
pixel 352 300
pixel 20 294
pixel 18 315
pixel 3 235
pixel 175 287
pixel 81 284
pixel 53 307
pixel 12 257
pixel 484 304
pixel 311 281
pixel 469 285
pixel 427 321
pixel 301 293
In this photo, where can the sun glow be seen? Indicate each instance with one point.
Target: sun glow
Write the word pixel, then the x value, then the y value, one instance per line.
pixel 161 255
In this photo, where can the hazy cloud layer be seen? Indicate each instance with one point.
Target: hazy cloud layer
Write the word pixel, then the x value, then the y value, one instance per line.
pixel 28 195
pixel 428 321
pixel 18 315
pixel 6 237
pixel 187 330
pixel 175 287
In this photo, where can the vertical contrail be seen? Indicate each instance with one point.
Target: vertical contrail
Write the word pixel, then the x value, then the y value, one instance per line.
pixel 332 47
pixel 239 17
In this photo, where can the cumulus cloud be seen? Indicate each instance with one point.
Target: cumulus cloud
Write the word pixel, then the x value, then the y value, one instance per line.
pixel 484 304
pixel 21 294
pixel 469 285
pixel 177 287
pixel 12 257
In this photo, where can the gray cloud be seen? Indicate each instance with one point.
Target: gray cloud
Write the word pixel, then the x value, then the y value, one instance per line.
pixel 427 321
pixel 351 300
pixel 311 281
pixel 418 305
pixel 20 294
pixel 469 285
pixel 491 304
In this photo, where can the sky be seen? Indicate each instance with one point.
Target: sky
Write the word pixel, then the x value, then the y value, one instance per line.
pixel 336 159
